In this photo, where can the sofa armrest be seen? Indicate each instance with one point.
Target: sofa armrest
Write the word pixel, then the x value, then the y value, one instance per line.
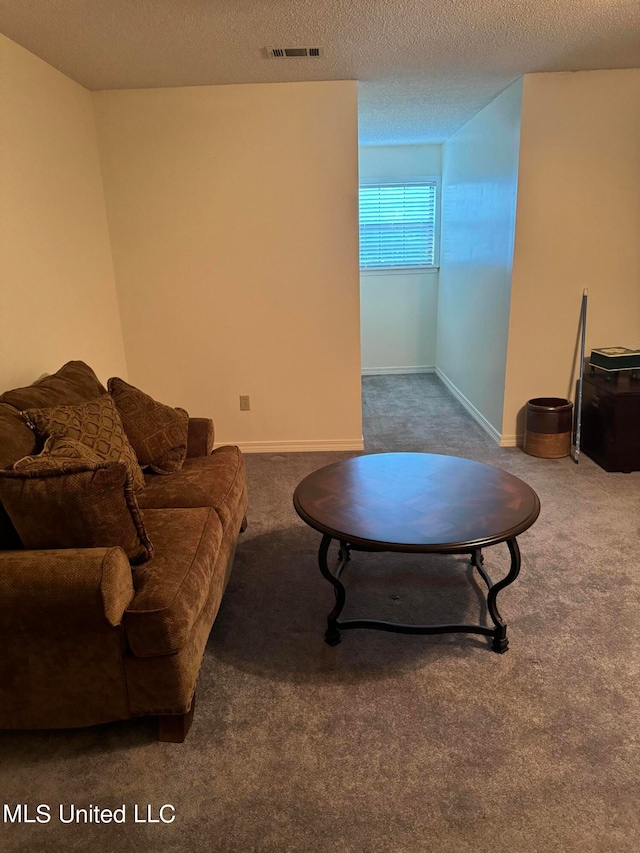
pixel 63 591
pixel 200 438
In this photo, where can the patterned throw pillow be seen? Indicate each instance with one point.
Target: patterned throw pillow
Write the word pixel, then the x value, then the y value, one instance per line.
pixel 157 432
pixel 58 453
pixel 70 503
pixel 96 424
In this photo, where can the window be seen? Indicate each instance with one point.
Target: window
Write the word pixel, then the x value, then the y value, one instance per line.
pixel 398 225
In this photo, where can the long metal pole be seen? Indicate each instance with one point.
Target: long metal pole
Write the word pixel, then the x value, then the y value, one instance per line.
pixel 583 326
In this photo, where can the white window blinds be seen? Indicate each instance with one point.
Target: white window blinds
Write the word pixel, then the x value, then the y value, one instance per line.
pixel 397 225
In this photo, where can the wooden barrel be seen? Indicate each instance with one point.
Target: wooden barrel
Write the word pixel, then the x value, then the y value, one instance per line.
pixel 548 427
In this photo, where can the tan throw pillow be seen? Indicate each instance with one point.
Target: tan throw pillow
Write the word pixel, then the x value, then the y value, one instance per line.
pixel 157 432
pixel 96 424
pixel 81 505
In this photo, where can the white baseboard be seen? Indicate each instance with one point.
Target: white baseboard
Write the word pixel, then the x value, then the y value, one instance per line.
pixel 475 413
pixel 512 441
pixel 384 371
pixel 296 446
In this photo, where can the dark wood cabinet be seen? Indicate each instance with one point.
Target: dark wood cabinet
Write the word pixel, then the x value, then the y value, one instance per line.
pixel 611 420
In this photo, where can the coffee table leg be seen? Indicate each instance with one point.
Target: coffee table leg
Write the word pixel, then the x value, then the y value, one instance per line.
pixel 332 634
pixel 500 642
pixel 476 557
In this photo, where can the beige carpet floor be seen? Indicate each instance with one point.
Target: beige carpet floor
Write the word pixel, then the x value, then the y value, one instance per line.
pixel 387 743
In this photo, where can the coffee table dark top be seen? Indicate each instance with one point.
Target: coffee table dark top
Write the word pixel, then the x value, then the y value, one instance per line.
pixel 416 502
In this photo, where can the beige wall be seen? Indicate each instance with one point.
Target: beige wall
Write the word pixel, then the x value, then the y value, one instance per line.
pixel 479 187
pixel 578 226
pixel 399 311
pixel 57 291
pixel 233 216
pixel 399 314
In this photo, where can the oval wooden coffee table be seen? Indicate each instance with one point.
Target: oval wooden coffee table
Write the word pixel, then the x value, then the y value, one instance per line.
pixel 416 503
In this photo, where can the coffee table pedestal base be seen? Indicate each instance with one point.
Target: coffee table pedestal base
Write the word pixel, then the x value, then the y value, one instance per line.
pixel 500 642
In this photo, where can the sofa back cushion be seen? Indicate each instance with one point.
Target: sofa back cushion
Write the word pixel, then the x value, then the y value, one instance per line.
pixel 75 382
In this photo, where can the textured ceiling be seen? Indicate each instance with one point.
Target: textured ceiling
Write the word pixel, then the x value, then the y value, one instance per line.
pixel 425 67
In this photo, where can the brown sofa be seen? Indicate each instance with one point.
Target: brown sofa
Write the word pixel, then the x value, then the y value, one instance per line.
pixel 85 637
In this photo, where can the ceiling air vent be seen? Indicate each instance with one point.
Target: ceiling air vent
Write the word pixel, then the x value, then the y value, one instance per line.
pixel 283 52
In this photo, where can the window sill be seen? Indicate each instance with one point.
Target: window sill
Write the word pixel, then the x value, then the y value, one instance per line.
pixel 401 271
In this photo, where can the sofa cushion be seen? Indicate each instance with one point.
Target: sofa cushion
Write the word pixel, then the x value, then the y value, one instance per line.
pixel 95 423
pixel 69 503
pixel 172 589
pixel 217 481
pixel 75 382
pixel 157 433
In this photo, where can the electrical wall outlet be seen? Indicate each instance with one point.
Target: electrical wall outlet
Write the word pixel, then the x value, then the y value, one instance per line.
pixel 245 404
